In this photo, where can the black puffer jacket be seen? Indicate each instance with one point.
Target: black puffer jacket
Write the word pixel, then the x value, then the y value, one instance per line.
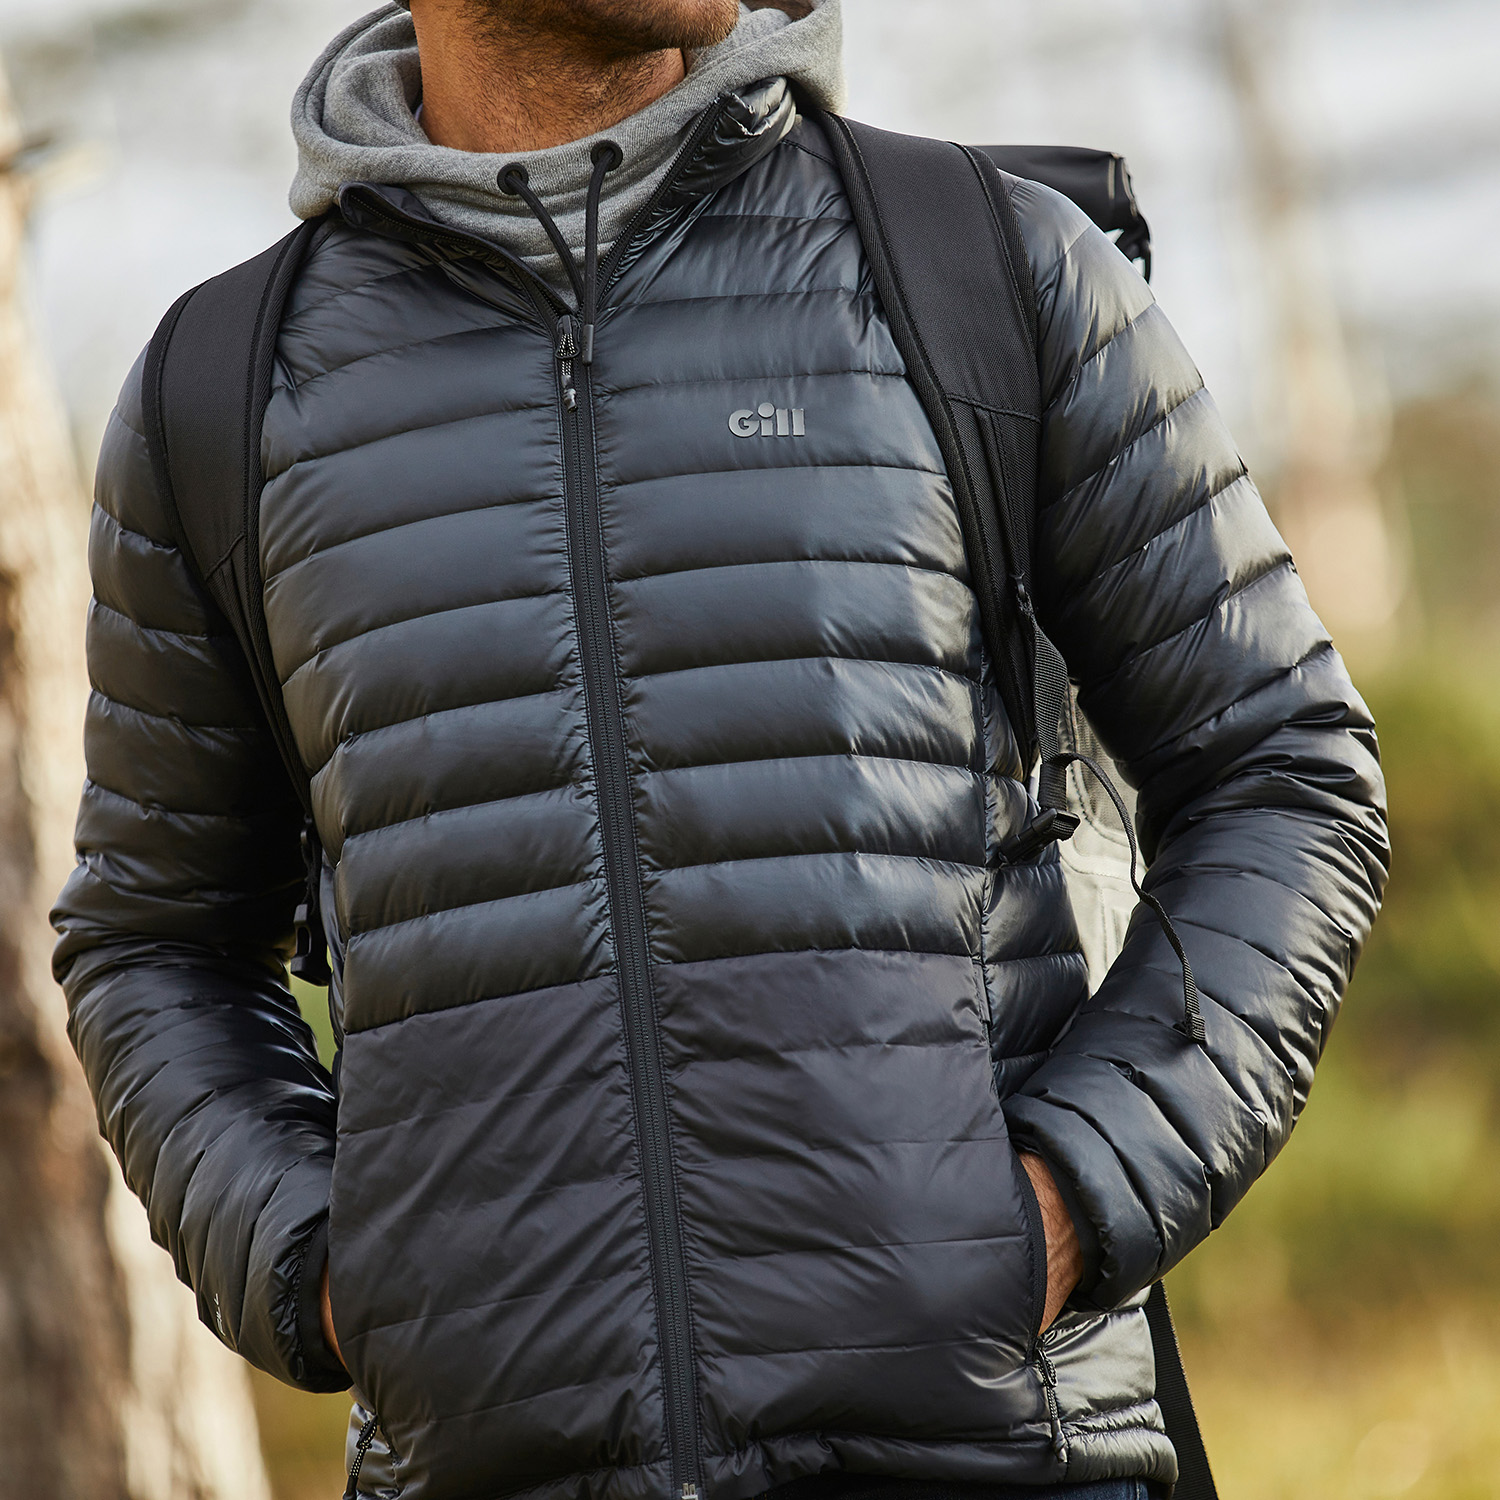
pixel 689 1016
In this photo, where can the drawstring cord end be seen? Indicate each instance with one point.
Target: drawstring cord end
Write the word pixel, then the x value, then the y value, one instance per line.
pixel 1052 824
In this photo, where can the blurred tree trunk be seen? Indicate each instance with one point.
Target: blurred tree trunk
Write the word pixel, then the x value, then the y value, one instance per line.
pixel 1325 495
pixel 109 1387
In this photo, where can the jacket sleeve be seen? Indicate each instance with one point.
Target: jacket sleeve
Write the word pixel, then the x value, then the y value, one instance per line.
pixel 1261 804
pixel 174 929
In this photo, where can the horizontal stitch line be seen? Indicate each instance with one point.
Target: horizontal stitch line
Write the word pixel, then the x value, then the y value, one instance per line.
pixel 450 812
pixel 752 378
pixel 1282 566
pixel 514 1096
pixel 845 755
pixel 781 293
pixel 898 953
pixel 387 528
pixel 243 729
pixel 1160 421
pixel 160 631
pixel 799 562
pixel 1131 322
pixel 439 1314
pixel 444 911
pixel 1323 648
pixel 831 1250
pixel 437 713
pixel 414 268
pixel 426 614
pixel 620 487
pixel 767 661
pixel 953 1043
pixel 604 975
pixel 999 411
pixel 401 432
pixel 167 549
pixel 247 821
pixel 760 859
pixel 431 341
pixel 1204 502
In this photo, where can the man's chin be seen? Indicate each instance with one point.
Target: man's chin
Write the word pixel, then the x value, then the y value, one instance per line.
pixel 626 25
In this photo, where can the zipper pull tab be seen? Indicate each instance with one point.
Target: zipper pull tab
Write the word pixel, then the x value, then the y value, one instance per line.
pixel 567 352
pixel 1023 598
pixel 1047 1372
pixel 361 1451
pixel 586 355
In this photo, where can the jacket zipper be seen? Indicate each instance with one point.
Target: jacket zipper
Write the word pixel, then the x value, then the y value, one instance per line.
pixel 627 905
pixel 617 819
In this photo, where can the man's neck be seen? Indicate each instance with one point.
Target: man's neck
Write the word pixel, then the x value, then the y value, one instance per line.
pixel 498 88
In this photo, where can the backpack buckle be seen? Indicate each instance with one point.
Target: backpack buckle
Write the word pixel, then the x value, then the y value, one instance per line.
pixel 310 962
pixel 1050 826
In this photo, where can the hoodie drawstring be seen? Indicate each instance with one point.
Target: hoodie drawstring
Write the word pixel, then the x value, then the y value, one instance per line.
pixel 1191 1024
pixel 515 180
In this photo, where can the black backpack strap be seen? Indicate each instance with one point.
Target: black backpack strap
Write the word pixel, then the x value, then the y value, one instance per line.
pixel 948 262
pixel 1195 1480
pixel 207 383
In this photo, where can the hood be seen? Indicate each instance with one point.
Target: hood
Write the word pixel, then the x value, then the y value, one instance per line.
pixel 355 120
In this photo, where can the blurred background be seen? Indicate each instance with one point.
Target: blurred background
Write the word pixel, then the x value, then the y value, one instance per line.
pixel 1323 179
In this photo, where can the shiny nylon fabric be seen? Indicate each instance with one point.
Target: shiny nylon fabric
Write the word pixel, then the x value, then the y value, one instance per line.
pixel 853 998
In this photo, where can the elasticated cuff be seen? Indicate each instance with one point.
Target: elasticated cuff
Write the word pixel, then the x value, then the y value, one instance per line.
pixel 321 1371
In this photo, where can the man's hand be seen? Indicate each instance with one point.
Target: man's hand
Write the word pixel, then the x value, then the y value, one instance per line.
pixel 1064 1259
pixel 332 1339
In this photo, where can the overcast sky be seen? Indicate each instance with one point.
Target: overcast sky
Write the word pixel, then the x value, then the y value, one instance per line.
pixel 173 113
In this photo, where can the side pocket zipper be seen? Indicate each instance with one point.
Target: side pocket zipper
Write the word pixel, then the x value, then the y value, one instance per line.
pixel 1047 1374
pixel 366 1437
pixel 1039 1359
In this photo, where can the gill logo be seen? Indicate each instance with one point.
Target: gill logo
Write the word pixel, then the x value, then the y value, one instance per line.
pixel 769 420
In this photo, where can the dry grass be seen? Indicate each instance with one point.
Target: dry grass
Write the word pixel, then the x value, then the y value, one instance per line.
pixel 1403 1406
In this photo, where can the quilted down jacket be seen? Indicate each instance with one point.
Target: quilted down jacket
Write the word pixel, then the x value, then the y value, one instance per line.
pixel 690 1019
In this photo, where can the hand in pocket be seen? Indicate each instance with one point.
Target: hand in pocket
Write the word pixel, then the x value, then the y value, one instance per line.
pixel 1064 1258
pixel 332 1338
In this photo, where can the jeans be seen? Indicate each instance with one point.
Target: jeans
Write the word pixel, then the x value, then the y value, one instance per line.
pixel 1105 1489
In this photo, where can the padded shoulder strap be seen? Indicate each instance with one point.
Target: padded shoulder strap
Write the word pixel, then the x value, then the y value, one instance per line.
pixel 207 385
pixel 948 260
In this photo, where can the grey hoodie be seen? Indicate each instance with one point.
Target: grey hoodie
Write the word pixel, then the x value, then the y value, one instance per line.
pixel 355 120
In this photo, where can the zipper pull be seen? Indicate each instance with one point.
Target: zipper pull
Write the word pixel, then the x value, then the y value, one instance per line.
pixel 567 352
pixel 1023 598
pixel 1047 1373
pixel 366 1437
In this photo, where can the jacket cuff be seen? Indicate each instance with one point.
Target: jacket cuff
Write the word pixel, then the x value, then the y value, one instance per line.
pixel 321 1370
pixel 1122 1239
pixel 1083 1226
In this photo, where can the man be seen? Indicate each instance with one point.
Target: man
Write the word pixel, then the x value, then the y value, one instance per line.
pixel 718 1112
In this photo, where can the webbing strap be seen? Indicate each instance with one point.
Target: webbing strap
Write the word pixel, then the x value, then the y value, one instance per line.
pixel 206 386
pixel 947 262
pixel 1195 1479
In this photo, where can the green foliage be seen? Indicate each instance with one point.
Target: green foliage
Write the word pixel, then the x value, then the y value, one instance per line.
pixel 313 1003
pixel 1430 975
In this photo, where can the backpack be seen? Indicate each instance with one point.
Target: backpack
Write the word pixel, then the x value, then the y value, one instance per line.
pixel 946 255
